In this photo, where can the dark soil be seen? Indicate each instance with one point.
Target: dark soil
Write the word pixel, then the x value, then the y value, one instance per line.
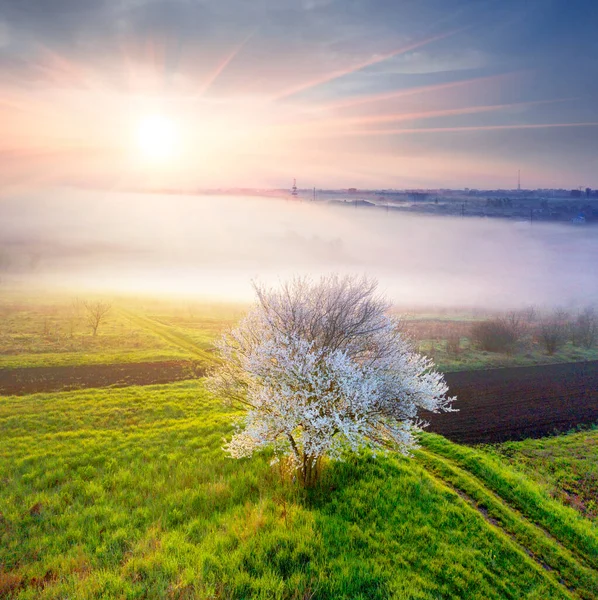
pixel 494 405
pixel 30 380
pixel 497 405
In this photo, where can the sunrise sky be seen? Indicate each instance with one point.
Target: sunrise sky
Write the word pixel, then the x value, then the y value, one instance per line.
pixel 338 93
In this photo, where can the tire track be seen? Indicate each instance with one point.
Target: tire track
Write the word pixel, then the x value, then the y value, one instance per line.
pixel 171 335
pixel 539 544
pixel 540 566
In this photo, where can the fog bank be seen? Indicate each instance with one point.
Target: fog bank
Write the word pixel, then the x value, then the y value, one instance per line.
pixel 214 246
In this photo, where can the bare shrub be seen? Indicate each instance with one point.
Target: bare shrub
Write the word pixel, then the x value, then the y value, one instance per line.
pixel 584 329
pixel 529 314
pixel 517 321
pixel 453 345
pixel 495 335
pixel 552 331
pixel 96 313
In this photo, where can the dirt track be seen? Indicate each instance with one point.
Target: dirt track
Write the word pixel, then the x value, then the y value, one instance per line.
pixel 52 379
pixel 507 404
pixel 494 404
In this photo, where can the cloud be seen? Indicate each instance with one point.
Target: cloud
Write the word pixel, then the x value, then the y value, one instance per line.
pixel 424 62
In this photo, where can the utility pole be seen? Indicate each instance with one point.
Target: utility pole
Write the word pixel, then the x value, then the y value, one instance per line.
pixel 519 180
pixel 314 194
pixel 463 209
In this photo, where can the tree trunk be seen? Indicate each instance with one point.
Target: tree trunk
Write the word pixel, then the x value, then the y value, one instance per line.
pixel 309 471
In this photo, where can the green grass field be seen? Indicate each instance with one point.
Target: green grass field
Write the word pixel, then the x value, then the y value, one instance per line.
pixel 472 358
pixel 127 494
pixel 566 465
pixel 52 331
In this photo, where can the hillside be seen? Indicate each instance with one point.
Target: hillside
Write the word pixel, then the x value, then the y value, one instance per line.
pixel 566 465
pixel 126 493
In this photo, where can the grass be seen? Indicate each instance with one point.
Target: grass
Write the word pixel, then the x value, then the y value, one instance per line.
pixel 127 494
pixel 566 465
pixel 545 548
pixel 525 495
pixel 177 338
pixel 51 331
pixel 471 358
pixel 67 359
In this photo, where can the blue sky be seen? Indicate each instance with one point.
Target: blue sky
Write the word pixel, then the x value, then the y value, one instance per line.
pixel 379 93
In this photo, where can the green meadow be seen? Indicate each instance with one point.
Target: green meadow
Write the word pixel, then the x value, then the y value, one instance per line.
pixel 40 330
pixel 126 493
pixel 566 465
pixel 48 331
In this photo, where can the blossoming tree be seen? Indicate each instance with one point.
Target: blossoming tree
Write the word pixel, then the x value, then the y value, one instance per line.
pixel 321 369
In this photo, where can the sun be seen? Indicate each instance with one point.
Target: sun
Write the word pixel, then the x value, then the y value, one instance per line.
pixel 158 138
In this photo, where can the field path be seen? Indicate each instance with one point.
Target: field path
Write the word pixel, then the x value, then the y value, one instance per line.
pixel 561 564
pixel 170 335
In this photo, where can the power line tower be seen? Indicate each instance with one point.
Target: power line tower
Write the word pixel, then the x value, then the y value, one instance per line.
pixel 519 180
pixel 294 189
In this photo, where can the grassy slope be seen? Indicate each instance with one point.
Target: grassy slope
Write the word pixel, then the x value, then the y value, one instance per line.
pixel 127 494
pixel 567 465
pixel 49 334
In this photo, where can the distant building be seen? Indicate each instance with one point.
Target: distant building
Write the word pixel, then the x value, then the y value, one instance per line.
pixel 575 193
pixel 417 196
pixel 352 190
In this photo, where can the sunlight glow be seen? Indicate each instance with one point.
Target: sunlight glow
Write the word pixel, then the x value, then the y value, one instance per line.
pixel 158 138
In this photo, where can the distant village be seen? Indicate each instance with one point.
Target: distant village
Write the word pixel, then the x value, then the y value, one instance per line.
pixel 577 206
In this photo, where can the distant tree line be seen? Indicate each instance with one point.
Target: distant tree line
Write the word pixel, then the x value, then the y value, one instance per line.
pixel 551 331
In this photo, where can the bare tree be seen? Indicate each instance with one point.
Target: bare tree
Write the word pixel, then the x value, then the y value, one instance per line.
pixel 584 329
pixel 529 314
pixel 321 369
pixel 516 320
pixel 96 313
pixel 552 332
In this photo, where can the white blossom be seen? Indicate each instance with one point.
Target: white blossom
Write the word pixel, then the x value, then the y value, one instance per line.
pixel 322 369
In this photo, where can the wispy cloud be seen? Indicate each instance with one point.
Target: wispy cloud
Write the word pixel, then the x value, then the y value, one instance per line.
pixel 468 128
pixel 360 65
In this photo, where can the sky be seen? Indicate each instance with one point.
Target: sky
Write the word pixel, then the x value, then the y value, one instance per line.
pixel 337 93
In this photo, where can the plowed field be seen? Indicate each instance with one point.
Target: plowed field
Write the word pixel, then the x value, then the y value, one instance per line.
pixel 52 379
pixel 504 404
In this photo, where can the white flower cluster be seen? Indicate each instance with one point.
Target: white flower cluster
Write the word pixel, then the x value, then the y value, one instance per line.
pixel 322 369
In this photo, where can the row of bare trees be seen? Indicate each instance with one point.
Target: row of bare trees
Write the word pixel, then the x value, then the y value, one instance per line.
pixel 551 331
